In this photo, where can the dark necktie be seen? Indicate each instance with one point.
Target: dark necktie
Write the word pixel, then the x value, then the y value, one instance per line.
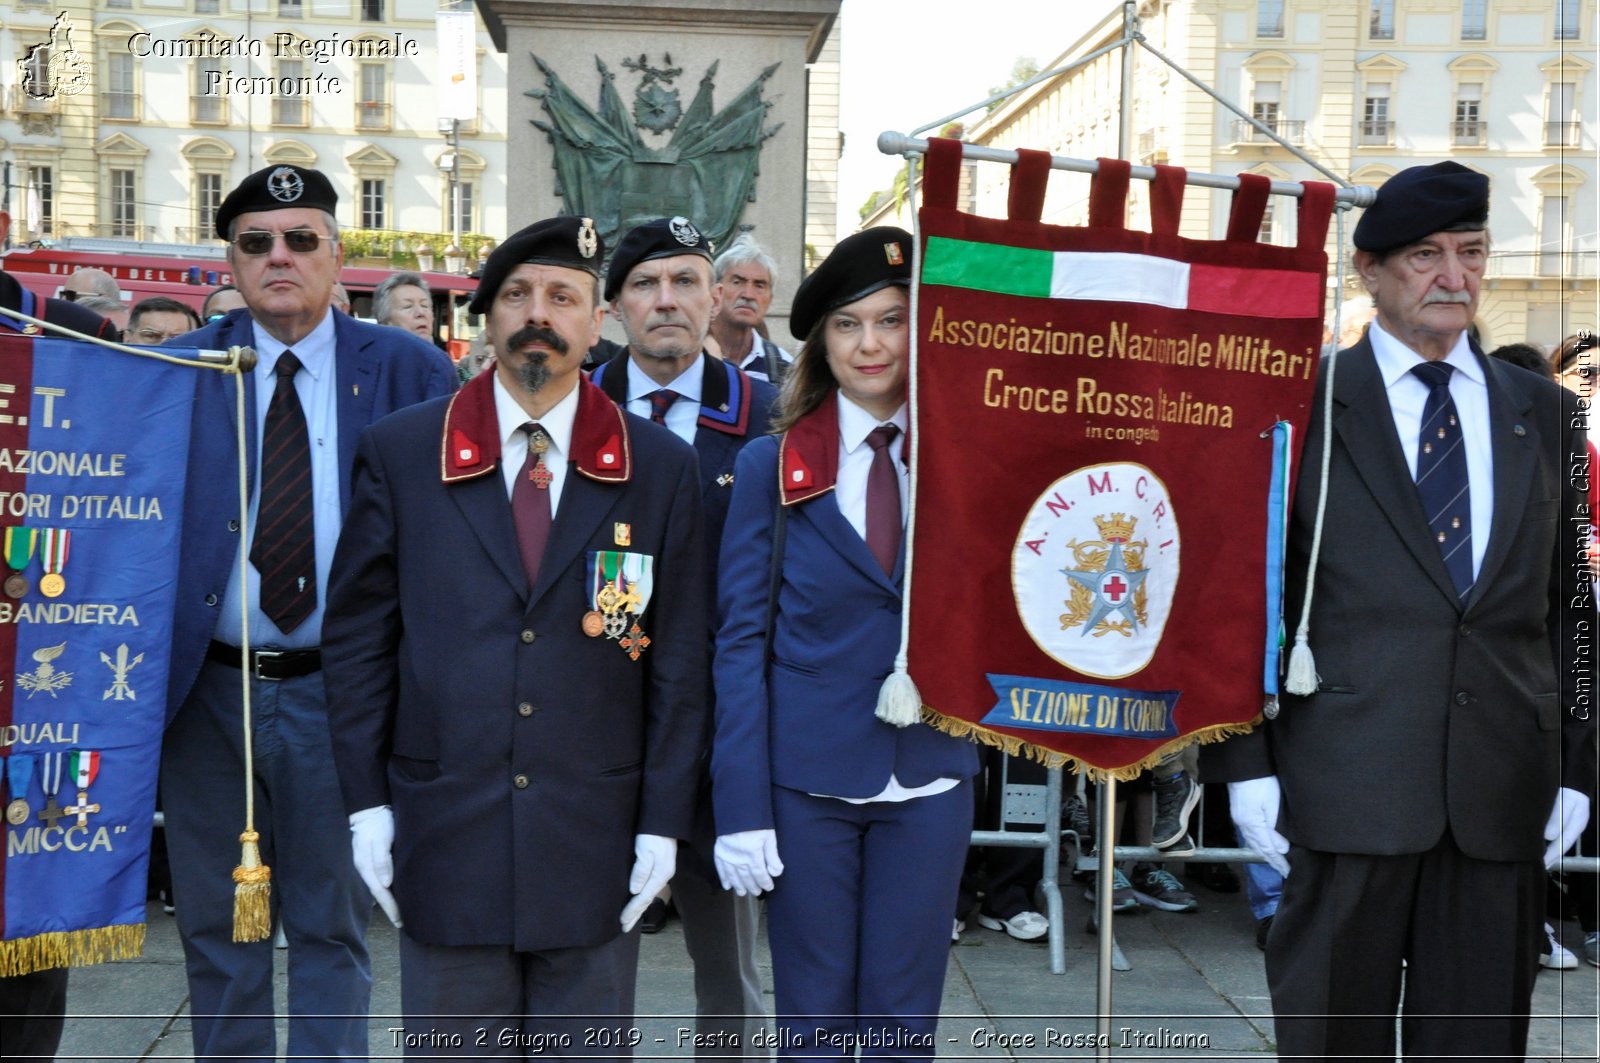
pixel 1442 475
pixel 660 402
pixel 530 502
pixel 883 499
pixel 284 549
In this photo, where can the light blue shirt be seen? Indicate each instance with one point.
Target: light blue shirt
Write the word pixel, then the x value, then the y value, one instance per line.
pixel 683 418
pixel 316 386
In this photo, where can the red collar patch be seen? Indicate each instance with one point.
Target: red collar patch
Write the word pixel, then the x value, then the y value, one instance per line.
pixel 808 454
pixel 469 446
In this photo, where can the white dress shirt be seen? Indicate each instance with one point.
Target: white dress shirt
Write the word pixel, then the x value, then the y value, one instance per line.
pixel 557 424
pixel 683 416
pixel 1470 392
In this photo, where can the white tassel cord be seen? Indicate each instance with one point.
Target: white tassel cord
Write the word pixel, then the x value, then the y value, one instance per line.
pixel 1302 678
pixel 899 701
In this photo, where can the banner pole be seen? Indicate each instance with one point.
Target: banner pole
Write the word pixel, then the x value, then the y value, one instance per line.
pixel 1104 877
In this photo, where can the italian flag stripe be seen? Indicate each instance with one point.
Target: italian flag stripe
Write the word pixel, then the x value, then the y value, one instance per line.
pixel 1119 277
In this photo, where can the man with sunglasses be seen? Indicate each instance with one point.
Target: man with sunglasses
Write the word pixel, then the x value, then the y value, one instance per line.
pixel 320 379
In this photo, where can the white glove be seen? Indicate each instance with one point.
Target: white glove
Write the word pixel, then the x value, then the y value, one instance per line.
pixel 372 846
pixel 747 862
pixel 1567 820
pixel 1254 803
pixel 654 860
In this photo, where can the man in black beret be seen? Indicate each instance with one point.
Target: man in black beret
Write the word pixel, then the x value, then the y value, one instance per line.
pixel 659 286
pixel 515 652
pixel 321 378
pixel 1420 783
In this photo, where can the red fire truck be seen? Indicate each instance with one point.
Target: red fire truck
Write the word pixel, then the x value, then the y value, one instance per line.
pixel 188 273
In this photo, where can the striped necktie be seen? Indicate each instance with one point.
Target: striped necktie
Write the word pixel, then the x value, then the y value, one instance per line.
pixel 284 548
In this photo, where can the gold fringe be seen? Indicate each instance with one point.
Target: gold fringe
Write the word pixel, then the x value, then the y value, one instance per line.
pixel 252 914
pixel 1051 758
pixel 71 948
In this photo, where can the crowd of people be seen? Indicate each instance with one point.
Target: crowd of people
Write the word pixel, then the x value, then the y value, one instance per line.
pixel 546 641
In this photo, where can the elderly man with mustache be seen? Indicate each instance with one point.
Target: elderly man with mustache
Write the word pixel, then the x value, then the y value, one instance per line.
pixel 745 277
pixel 1430 769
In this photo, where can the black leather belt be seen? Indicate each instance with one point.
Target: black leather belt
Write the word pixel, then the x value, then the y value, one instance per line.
pixel 269 664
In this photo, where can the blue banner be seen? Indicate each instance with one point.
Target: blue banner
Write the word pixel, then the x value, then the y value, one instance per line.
pixel 1082 708
pixel 93 446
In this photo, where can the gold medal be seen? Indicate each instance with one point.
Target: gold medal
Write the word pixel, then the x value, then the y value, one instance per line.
pixel 52 586
pixel 16 585
pixel 593 624
pixel 17 812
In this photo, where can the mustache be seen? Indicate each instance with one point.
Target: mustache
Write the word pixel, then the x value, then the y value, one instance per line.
pixel 1436 296
pixel 534 334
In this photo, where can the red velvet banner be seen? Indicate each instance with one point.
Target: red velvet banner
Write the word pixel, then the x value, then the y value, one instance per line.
pixel 1103 417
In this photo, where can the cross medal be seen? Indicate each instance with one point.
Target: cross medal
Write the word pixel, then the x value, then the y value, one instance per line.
pixel 540 473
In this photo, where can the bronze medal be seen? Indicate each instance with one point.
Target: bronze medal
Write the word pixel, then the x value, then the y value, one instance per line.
pixel 52 585
pixel 16 585
pixel 17 812
pixel 593 624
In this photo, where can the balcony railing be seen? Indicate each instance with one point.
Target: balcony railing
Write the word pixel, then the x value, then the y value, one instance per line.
pixel 122 230
pixel 1473 133
pixel 1562 134
pixel 1291 129
pixel 1376 132
pixel 23 102
pixel 372 114
pixel 208 110
pixel 119 105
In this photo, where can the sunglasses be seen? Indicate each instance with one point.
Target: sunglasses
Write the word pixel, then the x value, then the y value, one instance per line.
pixel 259 242
pixel 69 296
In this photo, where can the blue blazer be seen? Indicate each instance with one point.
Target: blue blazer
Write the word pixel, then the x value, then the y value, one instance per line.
pixel 378 369
pixel 811 725
pixel 520 754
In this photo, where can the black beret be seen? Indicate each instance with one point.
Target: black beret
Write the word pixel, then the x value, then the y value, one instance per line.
pixel 858 266
pixel 1421 200
pixel 661 238
pixel 277 188
pixel 568 241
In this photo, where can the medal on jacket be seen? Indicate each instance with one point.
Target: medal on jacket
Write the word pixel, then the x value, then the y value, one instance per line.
pixel 83 766
pixel 19 554
pixel 53 555
pixel 19 772
pixel 620 585
pixel 50 767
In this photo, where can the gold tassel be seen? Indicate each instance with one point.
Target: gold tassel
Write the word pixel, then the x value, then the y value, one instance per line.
pixel 252 915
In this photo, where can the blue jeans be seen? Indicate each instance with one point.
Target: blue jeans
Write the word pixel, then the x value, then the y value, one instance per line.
pixel 1263 886
pixel 305 840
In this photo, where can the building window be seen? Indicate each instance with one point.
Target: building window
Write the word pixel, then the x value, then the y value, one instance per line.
pixel 1474 20
pixel 371 10
pixel 461 221
pixel 1264 103
pixel 41 206
pixel 120 99
pixel 1552 235
pixel 373 202
pixel 36 72
pixel 291 109
pixel 207 199
pixel 1469 126
pixel 205 7
pixel 1264 236
pixel 1269 18
pixel 1375 125
pixel 1380 26
pixel 1560 131
pixel 208 106
pixel 290 9
pixel 124 207
pixel 372 106
pixel 119 3
pixel 1567 19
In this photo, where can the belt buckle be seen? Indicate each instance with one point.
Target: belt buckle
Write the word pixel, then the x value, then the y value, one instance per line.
pixel 269 656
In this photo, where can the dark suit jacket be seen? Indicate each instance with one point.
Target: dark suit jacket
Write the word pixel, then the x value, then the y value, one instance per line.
pixel 378 369
pixel 811 726
pixel 1428 715
pixel 520 755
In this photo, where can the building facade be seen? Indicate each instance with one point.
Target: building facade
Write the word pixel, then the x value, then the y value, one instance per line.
pixel 129 120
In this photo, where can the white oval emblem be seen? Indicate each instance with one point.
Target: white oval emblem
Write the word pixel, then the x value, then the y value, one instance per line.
pixel 1095 568
pixel 684 231
pixel 285 185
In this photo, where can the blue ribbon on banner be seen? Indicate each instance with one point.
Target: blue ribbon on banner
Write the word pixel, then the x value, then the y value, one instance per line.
pixel 1277 536
pixel 1081 708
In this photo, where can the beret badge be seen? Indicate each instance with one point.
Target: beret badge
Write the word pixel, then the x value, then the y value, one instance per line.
pixel 285 185
pixel 588 239
pixel 891 251
pixel 684 232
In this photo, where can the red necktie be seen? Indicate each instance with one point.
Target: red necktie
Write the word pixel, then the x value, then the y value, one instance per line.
pixel 530 502
pixel 284 548
pixel 883 499
pixel 660 402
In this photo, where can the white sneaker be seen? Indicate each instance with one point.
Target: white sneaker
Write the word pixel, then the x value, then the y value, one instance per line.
pixel 1554 955
pixel 1024 926
pixel 955 931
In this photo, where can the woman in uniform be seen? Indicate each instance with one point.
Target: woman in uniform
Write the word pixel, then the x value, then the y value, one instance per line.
pixel 871 820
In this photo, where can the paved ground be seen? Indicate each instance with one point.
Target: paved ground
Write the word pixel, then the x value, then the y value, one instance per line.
pixel 1196 990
